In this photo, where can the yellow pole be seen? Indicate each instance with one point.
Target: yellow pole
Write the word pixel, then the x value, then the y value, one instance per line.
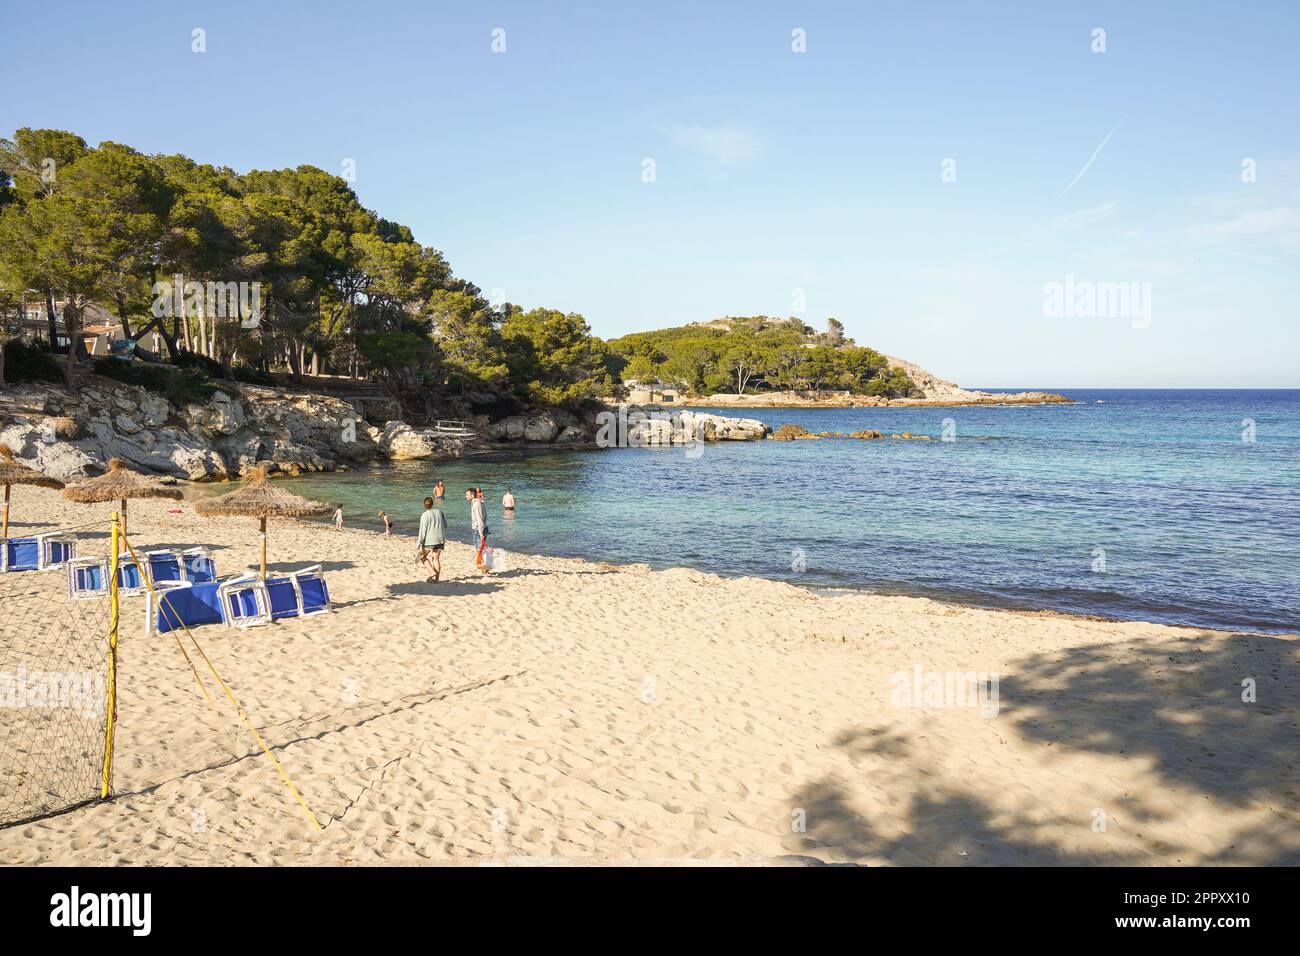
pixel 112 658
pixel 263 549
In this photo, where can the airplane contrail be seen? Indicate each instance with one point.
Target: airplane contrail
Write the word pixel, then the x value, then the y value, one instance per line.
pixel 1091 160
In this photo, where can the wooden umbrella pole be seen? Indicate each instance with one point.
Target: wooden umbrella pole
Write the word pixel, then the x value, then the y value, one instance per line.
pixel 263 549
pixel 124 517
pixel 5 535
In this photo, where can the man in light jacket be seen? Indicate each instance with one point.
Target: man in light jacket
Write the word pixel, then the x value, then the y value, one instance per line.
pixel 432 538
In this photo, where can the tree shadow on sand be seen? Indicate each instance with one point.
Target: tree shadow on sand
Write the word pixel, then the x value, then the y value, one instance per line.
pixel 1173 706
pixel 946 826
pixel 1180 706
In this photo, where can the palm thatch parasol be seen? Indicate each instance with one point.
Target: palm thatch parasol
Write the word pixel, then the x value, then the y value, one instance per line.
pixel 118 484
pixel 258 499
pixel 16 473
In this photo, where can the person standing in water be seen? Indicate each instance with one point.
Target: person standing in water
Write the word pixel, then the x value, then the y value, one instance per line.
pixel 439 491
pixel 338 517
pixel 478 521
pixel 508 503
pixel 388 524
pixel 431 539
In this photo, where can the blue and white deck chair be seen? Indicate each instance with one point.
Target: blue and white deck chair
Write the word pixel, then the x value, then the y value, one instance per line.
pixel 199 566
pixel 56 548
pixel 244 601
pixel 283 596
pixel 299 593
pixel 41 552
pixel 182 602
pixel 87 578
pixel 165 565
pixel 130 581
pixel 20 554
pixel 313 592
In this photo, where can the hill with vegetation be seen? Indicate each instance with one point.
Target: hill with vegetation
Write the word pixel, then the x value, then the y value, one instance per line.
pixel 340 293
pixel 758 354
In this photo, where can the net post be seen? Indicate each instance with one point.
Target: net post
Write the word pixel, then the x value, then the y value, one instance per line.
pixel 111 703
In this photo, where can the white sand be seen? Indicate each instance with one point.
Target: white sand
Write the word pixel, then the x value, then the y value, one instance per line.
pixel 567 710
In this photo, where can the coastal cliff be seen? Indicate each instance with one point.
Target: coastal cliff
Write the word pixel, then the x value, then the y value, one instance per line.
pixel 70 434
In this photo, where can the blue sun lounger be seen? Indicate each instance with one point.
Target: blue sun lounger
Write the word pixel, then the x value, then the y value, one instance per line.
pixel 182 602
pixel 88 578
pixel 41 552
pixel 248 601
pixel 238 602
pixel 199 566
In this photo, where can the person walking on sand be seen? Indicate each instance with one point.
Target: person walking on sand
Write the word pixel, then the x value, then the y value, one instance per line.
pixel 478 521
pixel 338 517
pixel 439 490
pixel 508 502
pixel 432 539
pixel 388 524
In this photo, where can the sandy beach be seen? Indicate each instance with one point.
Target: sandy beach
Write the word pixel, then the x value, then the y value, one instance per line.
pixel 580 712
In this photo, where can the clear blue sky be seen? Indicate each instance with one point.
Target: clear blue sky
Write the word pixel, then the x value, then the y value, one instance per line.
pixel 775 171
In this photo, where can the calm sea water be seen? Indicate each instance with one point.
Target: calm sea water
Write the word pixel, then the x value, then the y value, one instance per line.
pixel 1131 504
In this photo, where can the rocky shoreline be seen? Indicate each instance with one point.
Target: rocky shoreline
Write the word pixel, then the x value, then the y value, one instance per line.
pixel 935 391
pixel 72 434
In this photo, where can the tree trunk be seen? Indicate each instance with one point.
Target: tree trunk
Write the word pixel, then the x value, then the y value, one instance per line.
pixel 72 324
pixel 122 319
pixel 51 320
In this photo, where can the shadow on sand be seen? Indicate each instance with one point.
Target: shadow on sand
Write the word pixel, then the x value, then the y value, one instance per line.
pixel 1178 710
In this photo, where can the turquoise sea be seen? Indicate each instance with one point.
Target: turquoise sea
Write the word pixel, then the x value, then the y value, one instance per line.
pixel 1179 506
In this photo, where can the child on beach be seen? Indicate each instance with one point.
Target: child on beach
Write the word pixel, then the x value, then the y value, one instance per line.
pixel 338 517
pixel 431 539
pixel 388 524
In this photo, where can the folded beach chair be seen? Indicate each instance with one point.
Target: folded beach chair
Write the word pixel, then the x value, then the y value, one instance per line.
pixel 182 602
pixel 20 554
pixel 299 593
pixel 41 552
pixel 56 549
pixel 165 565
pixel 282 597
pixel 313 592
pixel 130 581
pixel 87 578
pixel 199 566
pixel 244 601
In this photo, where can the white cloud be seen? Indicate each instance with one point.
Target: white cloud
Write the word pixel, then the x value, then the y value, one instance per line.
pixel 1084 217
pixel 1280 221
pixel 724 145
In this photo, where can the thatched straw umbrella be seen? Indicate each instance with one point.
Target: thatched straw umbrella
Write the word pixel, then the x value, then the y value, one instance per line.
pixel 16 473
pixel 258 499
pixel 118 484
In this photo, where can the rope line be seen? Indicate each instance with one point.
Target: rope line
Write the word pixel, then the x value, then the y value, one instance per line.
pixel 239 710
